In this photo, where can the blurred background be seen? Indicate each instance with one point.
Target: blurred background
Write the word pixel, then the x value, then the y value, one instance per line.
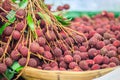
pixel 87 5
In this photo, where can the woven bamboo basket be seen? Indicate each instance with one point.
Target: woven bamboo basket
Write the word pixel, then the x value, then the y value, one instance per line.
pixel 36 74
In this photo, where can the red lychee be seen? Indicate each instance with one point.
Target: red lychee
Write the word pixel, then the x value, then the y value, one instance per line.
pixel 68 58
pixel 72 65
pixel 83 65
pixel 98 59
pixel 95 67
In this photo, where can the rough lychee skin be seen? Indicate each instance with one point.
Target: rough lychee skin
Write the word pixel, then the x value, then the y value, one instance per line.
pixel 66 6
pixel 50 36
pixel 92 52
pixel 100 44
pixel 68 58
pixel 41 50
pixel 22 61
pixel 8 30
pixel 6 5
pixel 95 67
pixel 57 52
pixel 34 47
pixel 1 51
pixel 41 41
pixel 8 61
pixel 104 66
pixel 107 35
pixel 67 52
pixel 72 65
pixel 103 51
pixel 92 42
pixel 20 14
pixel 90 62
pixel 20 26
pixel 32 62
pixel 76 58
pixel 112 64
pixel 62 64
pixel 15 55
pixel 16 35
pixel 118 50
pixel 111 53
pixel 60 8
pixel 116 43
pixel 83 65
pixel 79 39
pixel 24 51
pixel 48 55
pixel 98 59
pixel 115 60
pixel 53 64
pixel 39 32
pixel 69 40
pixel 84 55
pixel 106 60
pixel 82 49
pixel 47 48
pixel 3 67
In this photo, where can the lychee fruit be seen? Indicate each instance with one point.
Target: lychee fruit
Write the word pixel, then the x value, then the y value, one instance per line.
pixel 83 65
pixel 20 26
pixel 115 60
pixel 8 30
pixel 100 44
pixel 6 5
pixel 22 61
pixel 82 49
pixel 48 55
pixel 72 65
pixel 112 64
pixel 104 66
pixel 106 60
pixel 20 14
pixel 116 43
pixel 57 52
pixel 98 59
pixel 90 62
pixel 111 53
pixel 62 64
pixel 68 58
pixel 66 6
pixel 16 35
pixel 76 58
pixel 1 51
pixel 8 61
pixel 92 52
pixel 53 64
pixel 41 50
pixel 3 67
pixel 84 55
pixel 24 51
pixel 41 41
pixel 67 52
pixel 34 47
pixel 15 55
pixel 32 62
pixel 95 67
pixel 60 8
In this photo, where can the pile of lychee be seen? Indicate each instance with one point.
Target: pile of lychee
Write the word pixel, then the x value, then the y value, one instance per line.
pixel 48 52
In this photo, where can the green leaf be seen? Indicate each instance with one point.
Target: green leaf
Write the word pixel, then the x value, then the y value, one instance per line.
pixel 19 69
pixel 15 66
pixel 11 16
pixel 16 1
pixel 3 27
pixel 45 17
pixel 23 4
pixel 9 74
pixel 63 21
pixel 30 22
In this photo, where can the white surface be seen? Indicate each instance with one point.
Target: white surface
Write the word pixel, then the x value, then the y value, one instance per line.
pixel 114 75
pixel 88 5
